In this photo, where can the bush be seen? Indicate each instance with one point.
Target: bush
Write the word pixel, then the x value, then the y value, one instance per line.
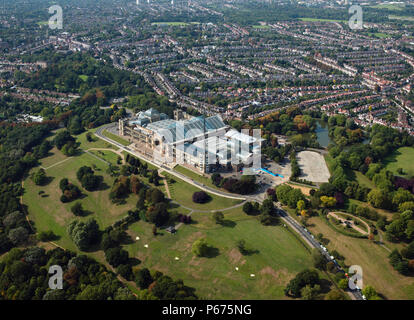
pixel 200 248
pixel 200 197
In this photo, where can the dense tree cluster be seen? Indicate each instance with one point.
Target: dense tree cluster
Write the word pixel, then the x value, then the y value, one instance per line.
pixel 84 234
pixel 70 192
pixel 245 185
pixel 24 276
pixel 301 280
pixel 88 179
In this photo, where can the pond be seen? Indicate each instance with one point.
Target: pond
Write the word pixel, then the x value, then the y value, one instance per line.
pixel 322 134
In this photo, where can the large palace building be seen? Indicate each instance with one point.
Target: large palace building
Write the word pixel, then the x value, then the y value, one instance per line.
pixel 204 144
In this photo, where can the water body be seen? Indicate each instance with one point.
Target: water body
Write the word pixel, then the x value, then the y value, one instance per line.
pixel 322 134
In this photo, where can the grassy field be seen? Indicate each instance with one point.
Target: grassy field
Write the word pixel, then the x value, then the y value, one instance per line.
pixel 329 162
pixel 171 23
pixel 115 138
pixel 182 192
pixel 389 6
pixel 405 18
pixel 195 176
pixel 401 158
pixel 363 180
pixel 276 256
pixel 49 213
pixel 96 143
pixel 322 20
pixel 371 257
pixel 106 155
pixel 84 77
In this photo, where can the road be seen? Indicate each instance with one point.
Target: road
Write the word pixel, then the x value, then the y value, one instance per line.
pixel 306 235
pixel 309 238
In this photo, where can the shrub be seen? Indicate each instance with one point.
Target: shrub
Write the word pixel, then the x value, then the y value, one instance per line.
pixel 200 197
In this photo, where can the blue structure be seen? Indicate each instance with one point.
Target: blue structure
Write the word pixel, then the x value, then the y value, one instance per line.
pixel 271 173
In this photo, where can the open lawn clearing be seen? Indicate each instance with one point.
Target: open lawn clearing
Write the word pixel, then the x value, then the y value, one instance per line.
pixel 401 158
pixel 96 143
pixel 49 213
pixel 371 257
pixel 106 155
pixel 276 256
pixel 55 156
pixel 313 166
pixel 182 192
pixel 363 180
pixel 390 6
pixel 173 23
pixel 195 176
pixel 405 18
pixel 322 20
pixel 116 138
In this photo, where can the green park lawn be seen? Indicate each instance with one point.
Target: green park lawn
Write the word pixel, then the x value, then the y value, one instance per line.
pixel 401 158
pixel 363 180
pixel 195 176
pixel 323 20
pixel 96 143
pixel 115 138
pixel 276 256
pixel 106 155
pixel 173 23
pixel 49 213
pixel 389 6
pixel 182 193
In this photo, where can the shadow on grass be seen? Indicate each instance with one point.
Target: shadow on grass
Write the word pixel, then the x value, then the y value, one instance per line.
pixel 250 252
pixel 212 252
pixel 228 223
pixel 134 262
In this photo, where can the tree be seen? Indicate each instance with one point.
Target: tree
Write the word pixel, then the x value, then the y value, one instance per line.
pixel 334 295
pixel 300 205
pixel 39 177
pixel 200 247
pixel 200 197
pixel 343 284
pixel 218 217
pixel 378 198
pixel 116 256
pixel 302 279
pixel 328 202
pixel 318 259
pixel 248 208
pixel 370 293
pixel 18 235
pixel 158 214
pixel 310 292
pixel 84 234
pixel 143 278
pixel 62 138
